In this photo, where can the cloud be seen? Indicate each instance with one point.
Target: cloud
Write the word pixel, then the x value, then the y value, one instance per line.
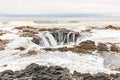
pixel 59 6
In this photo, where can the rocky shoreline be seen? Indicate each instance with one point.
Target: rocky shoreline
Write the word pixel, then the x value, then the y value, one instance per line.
pixel 40 72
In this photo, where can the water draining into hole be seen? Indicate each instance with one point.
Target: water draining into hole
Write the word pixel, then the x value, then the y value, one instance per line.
pixel 60 38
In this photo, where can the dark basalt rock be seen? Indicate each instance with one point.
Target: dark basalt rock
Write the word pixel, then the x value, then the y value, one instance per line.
pixel 36 72
pixel 32 66
pixel 99 76
pixel 36 39
pixel 9 72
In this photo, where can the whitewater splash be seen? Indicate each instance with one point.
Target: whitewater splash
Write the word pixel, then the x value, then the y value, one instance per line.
pixel 84 63
pixel 48 39
pixel 58 38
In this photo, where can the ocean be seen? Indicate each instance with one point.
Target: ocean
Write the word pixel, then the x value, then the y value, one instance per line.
pixel 84 63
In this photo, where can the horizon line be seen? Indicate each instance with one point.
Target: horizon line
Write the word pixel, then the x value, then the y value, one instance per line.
pixel 61 15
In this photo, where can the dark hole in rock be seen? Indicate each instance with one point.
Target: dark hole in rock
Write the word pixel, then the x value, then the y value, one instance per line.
pixel 56 38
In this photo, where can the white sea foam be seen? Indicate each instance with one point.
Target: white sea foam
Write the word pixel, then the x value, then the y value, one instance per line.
pixel 85 63
pixel 15 60
pixel 112 36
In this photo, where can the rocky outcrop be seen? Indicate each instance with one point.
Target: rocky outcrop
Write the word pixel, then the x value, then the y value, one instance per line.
pixel 37 72
pixel 3 44
pixel 86 30
pixel 36 39
pixel 112 27
pixel 60 34
pixel 99 76
pixel 102 47
pixel 29 28
pixel 84 47
pixel 64 36
pixel 25 28
pixel 26 31
pixel 26 34
pixel 87 45
pixel 114 48
pixel 63 49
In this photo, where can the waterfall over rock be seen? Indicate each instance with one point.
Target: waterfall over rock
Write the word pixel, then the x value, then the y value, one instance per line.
pixel 52 39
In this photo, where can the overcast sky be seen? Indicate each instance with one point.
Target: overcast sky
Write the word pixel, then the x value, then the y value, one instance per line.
pixel 60 7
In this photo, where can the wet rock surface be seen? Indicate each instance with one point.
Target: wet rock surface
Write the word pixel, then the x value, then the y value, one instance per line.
pixel 20 48
pixel 61 35
pixel 36 39
pixel 3 32
pixel 37 72
pixel 102 47
pixel 3 44
pixel 115 48
pixel 84 47
pixel 63 49
pixel 112 27
pixel 98 76
pixel 26 31
pixel 87 45
pixel 32 52
pixel 65 36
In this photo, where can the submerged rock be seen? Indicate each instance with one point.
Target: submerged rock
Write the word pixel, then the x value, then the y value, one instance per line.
pixel 20 48
pixel 2 32
pixel 3 44
pixel 32 52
